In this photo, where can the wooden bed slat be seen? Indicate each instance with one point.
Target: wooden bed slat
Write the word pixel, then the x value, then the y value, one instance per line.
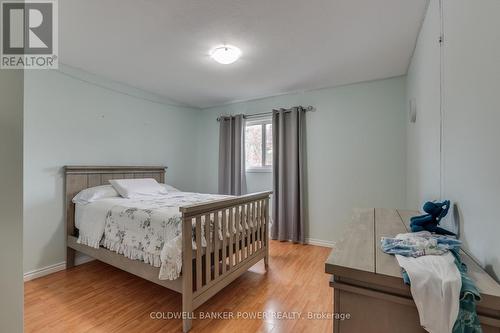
pixel 262 212
pixel 256 226
pixel 224 243
pixel 266 233
pixel 254 223
pixel 198 253
pixel 208 250
pixel 247 230
pixel 259 215
pixel 257 236
pixel 216 244
pixel 252 230
pixel 231 248
pixel 237 235
pixel 187 271
pixel 263 221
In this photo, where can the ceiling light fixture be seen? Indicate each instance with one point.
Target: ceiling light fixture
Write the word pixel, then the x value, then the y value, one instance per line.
pixel 225 54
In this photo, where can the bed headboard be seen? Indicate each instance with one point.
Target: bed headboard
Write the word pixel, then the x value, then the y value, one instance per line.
pixel 77 178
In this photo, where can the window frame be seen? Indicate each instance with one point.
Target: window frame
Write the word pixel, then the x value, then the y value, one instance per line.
pixel 262 122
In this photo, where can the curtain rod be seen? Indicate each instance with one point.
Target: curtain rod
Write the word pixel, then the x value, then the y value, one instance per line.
pixel 254 115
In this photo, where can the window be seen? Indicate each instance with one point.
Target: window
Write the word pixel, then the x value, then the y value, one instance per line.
pixel 259 145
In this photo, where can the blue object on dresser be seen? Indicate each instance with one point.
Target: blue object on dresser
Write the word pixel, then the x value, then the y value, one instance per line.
pixel 430 221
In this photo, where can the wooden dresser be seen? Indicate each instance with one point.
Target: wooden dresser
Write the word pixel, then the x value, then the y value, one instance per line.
pixel 368 284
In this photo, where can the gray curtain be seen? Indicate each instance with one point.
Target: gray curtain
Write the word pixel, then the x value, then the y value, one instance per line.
pixel 288 174
pixel 232 178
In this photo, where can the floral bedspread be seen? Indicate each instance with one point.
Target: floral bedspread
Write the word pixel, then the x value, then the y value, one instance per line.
pixel 149 229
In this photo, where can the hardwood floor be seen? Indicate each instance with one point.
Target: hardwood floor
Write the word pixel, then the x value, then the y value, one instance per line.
pixel 96 297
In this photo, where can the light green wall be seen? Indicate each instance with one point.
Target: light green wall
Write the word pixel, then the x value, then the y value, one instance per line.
pixel 72 117
pixel 471 122
pixel 11 200
pixel 471 77
pixel 423 84
pixel 355 149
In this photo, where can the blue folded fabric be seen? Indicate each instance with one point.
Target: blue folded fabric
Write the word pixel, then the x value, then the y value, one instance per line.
pixel 467 320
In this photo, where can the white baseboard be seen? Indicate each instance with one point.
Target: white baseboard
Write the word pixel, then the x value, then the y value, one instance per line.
pixel 80 258
pixel 320 242
pixel 28 276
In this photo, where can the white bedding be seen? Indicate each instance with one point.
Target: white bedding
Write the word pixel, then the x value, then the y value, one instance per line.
pixel 147 229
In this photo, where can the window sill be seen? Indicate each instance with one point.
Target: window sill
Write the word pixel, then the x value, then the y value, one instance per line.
pixel 259 170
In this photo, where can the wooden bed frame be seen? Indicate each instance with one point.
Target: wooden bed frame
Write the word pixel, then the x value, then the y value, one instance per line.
pixel 202 275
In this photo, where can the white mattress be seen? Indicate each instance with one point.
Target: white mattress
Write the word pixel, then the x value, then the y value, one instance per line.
pixel 147 229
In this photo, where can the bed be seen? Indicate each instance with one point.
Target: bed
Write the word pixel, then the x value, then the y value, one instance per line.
pixel 211 257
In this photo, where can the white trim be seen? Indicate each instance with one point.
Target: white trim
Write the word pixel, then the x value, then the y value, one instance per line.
pixel 259 120
pixel 119 87
pixel 267 169
pixel 262 122
pixel 299 92
pixel 34 274
pixel 28 276
pixel 320 242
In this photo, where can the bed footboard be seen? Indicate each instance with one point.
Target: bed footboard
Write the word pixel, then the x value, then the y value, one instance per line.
pixel 243 225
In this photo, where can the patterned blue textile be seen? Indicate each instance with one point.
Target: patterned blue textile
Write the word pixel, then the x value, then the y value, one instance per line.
pixel 419 244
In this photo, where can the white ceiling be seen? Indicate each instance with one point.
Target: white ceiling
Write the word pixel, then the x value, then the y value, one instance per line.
pixel 288 45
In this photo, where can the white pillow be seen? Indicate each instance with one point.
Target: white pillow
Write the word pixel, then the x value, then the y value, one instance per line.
pixel 135 188
pixel 169 188
pixel 92 194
